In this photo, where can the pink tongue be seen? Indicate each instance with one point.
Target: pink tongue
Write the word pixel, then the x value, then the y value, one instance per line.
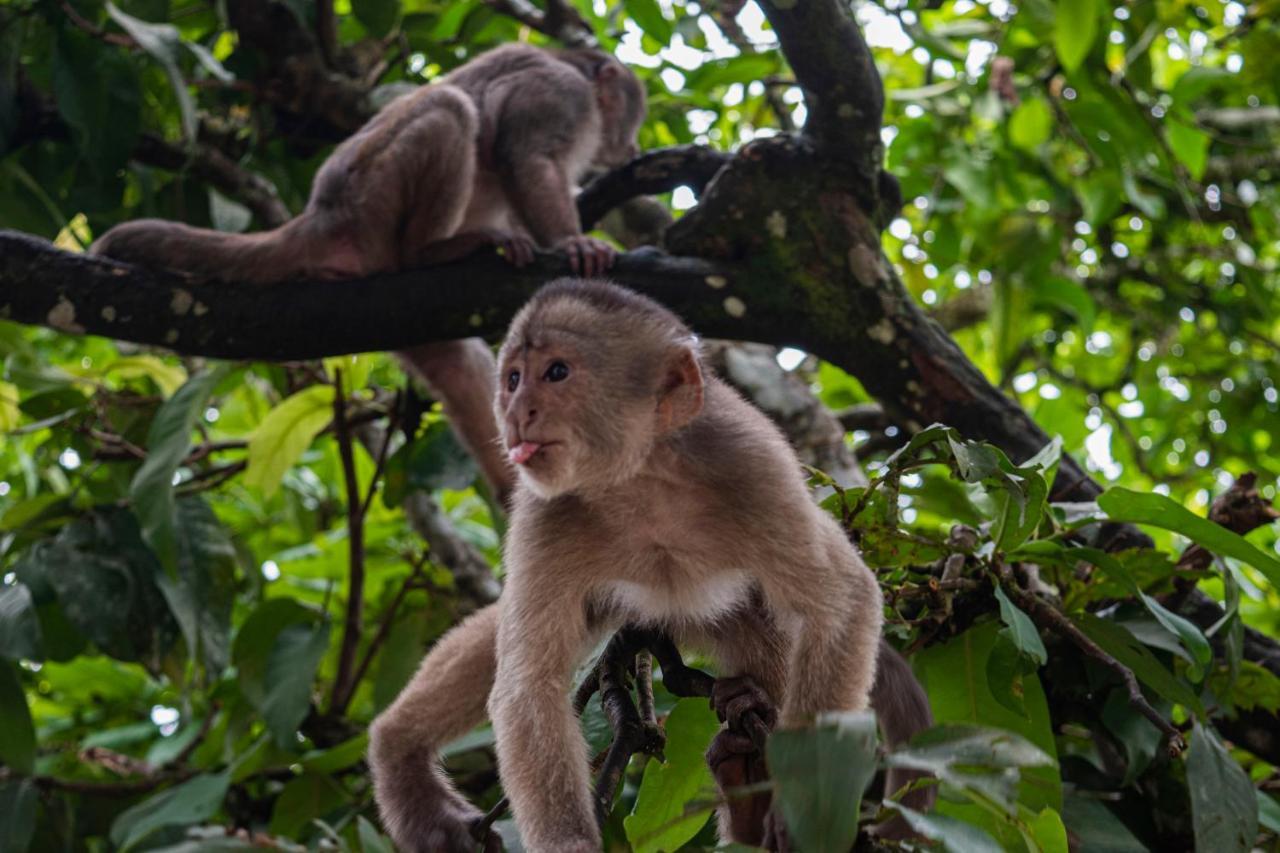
pixel 523 452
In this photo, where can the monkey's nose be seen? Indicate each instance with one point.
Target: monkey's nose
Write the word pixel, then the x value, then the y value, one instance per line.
pixel 528 418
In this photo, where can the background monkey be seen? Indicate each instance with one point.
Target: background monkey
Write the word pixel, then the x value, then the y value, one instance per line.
pixel 649 494
pixel 491 154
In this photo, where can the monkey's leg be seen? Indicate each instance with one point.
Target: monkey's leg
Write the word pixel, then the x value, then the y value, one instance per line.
pixel 463 375
pixel 750 652
pixel 445 700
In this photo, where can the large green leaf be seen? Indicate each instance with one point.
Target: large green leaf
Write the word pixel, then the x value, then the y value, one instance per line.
pixel 819 777
pixel 19 625
pixel 1123 504
pixel 18 801
pixel 284 434
pixel 17 733
pixel 1031 124
pixel 378 16
pixel 952 834
pixel 1224 807
pixel 304 799
pixel 648 15
pixel 1075 26
pixel 955 676
pixel 168 442
pixel 191 802
pixel 163 43
pixel 277 651
pixel 668 789
pixel 103 578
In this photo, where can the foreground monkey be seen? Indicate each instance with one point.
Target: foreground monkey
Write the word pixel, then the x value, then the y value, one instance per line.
pixel 649 493
pixel 491 154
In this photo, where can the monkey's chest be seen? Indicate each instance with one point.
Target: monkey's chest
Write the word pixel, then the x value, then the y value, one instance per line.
pixel 670 595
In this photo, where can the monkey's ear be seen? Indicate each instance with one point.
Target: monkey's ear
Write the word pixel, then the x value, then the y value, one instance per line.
pixel 681 397
pixel 608 71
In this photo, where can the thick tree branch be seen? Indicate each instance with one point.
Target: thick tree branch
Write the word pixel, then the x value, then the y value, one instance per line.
pixel 835 68
pixel 560 20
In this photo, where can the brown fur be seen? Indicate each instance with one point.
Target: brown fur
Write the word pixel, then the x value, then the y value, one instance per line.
pixel 489 154
pixel 657 496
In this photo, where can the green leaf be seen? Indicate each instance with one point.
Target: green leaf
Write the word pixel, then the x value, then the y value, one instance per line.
pixel 434 460
pixel 1123 504
pixel 168 443
pixel 1224 805
pixel 819 777
pixel 277 652
pixel 191 802
pixel 163 43
pixel 1022 631
pixel 1031 124
pixel 668 789
pixel 202 595
pixel 1190 145
pixel 103 577
pixel 17 733
pixel 18 801
pixel 1020 514
pixel 1048 832
pixel 648 15
pixel 1268 812
pixel 285 434
pixel 1124 647
pixel 955 836
pixel 1097 827
pixel 1190 635
pixel 378 16
pixel 1075 26
pixel 337 757
pixel 304 799
pixel 19 625
pixel 1066 295
pixel 167 377
pixel 954 676
pixel 371 841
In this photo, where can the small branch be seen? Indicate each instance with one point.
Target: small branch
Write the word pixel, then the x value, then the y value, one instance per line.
pixel 381 459
pixel 327 32
pixel 384 625
pixel 1239 509
pixel 1049 618
pixel 343 683
pixel 560 21
pixel 220 171
pixel 653 172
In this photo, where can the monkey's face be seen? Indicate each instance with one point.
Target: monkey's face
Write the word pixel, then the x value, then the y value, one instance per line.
pixel 621 99
pixel 569 422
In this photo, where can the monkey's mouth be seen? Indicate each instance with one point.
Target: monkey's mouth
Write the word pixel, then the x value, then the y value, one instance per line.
pixel 524 451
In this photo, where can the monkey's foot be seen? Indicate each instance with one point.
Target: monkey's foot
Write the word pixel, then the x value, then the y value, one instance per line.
pixel 588 257
pixel 516 248
pixel 736 763
pixel 741 703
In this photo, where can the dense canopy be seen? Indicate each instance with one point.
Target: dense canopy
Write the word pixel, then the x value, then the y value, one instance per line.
pixel 1033 365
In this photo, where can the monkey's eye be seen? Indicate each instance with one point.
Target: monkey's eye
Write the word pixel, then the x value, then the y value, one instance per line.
pixel 513 380
pixel 557 371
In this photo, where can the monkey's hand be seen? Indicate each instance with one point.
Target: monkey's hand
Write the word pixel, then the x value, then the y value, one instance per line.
pixel 588 256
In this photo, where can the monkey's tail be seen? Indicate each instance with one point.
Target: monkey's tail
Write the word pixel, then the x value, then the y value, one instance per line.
pixel 258 257
pixel 902 708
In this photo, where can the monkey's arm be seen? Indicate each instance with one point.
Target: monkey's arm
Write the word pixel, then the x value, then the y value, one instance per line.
pixel 541 752
pixel 445 700
pixel 543 195
pixel 838 614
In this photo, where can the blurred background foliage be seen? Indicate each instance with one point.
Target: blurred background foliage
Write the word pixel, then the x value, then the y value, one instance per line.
pixel 1091 206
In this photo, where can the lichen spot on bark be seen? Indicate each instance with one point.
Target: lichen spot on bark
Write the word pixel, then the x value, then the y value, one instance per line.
pixel 476 321
pixel 63 316
pixel 715 282
pixel 109 313
pixel 846 111
pixel 864 263
pixel 881 332
pixel 734 307
pixel 201 309
pixel 181 302
pixel 776 224
pixel 171 336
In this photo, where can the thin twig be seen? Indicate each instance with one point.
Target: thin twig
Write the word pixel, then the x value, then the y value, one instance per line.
pixel 381 461
pixel 388 618
pixel 1048 617
pixel 343 686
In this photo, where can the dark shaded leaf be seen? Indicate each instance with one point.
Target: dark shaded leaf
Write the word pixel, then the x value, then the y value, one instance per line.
pixel 17 733
pixel 1224 806
pixel 191 802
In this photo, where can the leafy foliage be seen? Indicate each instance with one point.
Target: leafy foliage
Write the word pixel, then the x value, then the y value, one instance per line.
pixel 1090 208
